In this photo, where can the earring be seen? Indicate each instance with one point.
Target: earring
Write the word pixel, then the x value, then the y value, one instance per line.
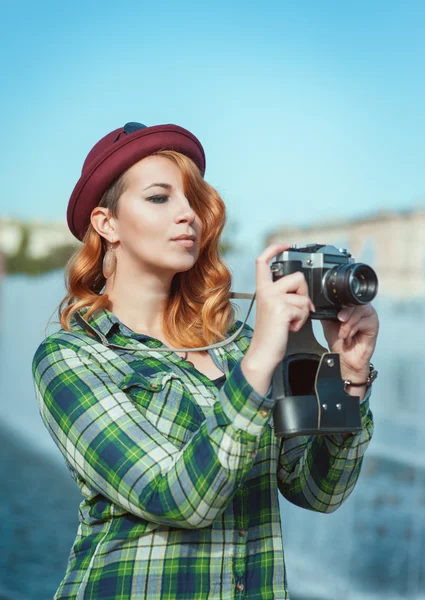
pixel 109 263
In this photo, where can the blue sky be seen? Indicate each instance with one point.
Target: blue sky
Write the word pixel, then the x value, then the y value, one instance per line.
pixel 307 110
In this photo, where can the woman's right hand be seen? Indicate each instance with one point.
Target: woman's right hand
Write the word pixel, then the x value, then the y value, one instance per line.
pixel 282 306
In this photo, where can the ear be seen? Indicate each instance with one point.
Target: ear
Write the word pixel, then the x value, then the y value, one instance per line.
pixel 104 223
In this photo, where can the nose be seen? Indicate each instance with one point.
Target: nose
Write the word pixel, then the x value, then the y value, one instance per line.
pixel 185 212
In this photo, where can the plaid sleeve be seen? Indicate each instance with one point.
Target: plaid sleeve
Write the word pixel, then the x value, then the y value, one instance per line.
pixel 320 472
pixel 118 453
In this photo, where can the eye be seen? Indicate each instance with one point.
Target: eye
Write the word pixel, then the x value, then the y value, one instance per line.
pixel 158 199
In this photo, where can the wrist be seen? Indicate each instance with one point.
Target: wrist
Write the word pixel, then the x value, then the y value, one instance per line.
pixel 359 391
pixel 359 387
pixel 355 375
pixel 256 362
pixel 258 376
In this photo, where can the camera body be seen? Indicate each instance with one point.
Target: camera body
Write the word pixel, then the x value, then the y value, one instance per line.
pixel 333 278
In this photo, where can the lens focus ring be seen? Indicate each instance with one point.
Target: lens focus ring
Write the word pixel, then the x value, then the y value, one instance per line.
pixel 350 284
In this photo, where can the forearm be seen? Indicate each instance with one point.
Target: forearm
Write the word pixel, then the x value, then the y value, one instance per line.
pixel 211 467
pixel 320 472
pixel 120 454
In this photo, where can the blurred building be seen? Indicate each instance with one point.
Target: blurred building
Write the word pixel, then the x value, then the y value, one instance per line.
pixel 391 242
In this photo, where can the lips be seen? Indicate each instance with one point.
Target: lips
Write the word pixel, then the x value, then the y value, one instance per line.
pixel 184 237
pixel 185 241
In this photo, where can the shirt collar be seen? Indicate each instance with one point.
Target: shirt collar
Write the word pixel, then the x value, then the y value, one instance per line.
pixel 106 322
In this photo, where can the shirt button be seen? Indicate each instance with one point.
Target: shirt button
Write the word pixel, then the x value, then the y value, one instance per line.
pixel 154 386
pixel 240 587
pixel 242 532
pixel 264 413
pixel 253 454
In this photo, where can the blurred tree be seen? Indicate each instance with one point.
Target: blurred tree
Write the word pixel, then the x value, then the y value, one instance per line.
pixel 23 262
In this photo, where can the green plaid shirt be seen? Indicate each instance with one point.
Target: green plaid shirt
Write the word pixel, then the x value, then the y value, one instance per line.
pixel 180 479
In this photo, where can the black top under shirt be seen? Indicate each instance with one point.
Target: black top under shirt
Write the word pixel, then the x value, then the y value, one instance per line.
pixel 219 381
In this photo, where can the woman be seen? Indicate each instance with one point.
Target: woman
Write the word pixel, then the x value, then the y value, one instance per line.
pixel 175 455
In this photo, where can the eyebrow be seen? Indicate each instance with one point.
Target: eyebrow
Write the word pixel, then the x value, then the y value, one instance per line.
pixel 166 186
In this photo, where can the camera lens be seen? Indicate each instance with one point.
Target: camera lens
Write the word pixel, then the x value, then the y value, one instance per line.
pixel 350 284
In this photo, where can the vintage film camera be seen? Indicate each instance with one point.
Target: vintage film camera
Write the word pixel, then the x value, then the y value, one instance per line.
pixel 332 276
pixel 307 384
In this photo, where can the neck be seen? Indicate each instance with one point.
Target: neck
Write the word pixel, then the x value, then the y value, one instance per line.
pixel 138 299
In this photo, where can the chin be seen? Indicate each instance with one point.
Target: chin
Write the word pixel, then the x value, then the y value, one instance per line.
pixel 184 265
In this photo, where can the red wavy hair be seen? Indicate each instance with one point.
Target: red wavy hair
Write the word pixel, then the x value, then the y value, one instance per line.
pixel 198 310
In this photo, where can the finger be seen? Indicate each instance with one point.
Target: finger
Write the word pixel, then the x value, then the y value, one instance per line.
pixel 366 325
pixel 302 302
pixel 358 313
pixel 295 317
pixel 346 328
pixel 294 283
pixel 299 319
pixel 262 271
pixel 347 311
pixel 350 340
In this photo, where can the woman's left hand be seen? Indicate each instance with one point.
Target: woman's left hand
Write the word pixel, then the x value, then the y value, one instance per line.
pixel 353 337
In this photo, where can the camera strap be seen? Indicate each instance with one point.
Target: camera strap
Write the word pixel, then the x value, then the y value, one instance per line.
pixel 104 340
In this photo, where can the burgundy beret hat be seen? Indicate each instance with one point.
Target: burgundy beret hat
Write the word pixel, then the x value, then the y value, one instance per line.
pixel 117 152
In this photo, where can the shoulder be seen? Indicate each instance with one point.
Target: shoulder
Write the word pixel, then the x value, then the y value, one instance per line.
pixel 243 334
pixel 59 345
pixel 246 330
